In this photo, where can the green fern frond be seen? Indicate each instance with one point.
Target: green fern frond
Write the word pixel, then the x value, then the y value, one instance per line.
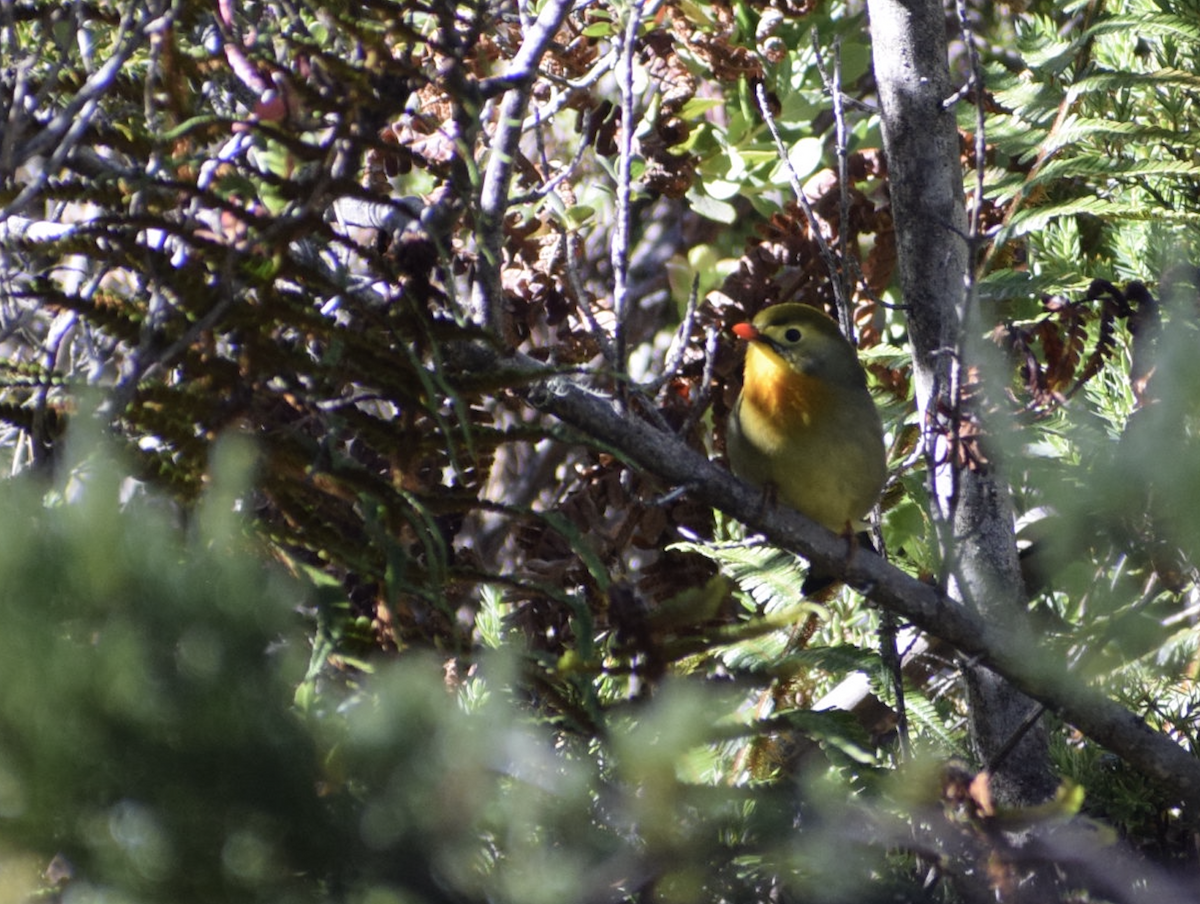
pixel 924 718
pixel 834 729
pixel 1110 82
pixel 29 419
pixel 838 661
pixel 1037 218
pixel 1043 47
pixel 26 374
pixel 771 576
pixel 1154 25
pixel 1074 130
pixel 1113 168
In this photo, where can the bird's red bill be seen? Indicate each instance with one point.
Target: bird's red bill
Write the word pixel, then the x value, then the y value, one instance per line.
pixel 746 331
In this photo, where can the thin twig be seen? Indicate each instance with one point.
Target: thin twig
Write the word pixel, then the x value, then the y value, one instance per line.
pixel 581 305
pixel 852 278
pixel 1014 739
pixel 955 370
pixel 620 242
pixel 975 81
pixel 712 337
pixel 524 67
pixel 680 340
pixel 69 126
pixel 563 174
pixel 569 88
pixel 568 247
pixel 148 359
pixel 932 441
pixel 487 291
pixel 760 94
pixel 892 661
pixel 841 277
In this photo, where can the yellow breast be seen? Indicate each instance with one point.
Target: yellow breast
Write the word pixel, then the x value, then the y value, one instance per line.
pixel 786 399
pixel 819 444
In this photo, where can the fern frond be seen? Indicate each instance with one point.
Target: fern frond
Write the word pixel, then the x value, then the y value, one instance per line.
pixel 924 717
pixel 1110 82
pixel 771 576
pixel 1112 168
pixel 834 729
pixel 1037 218
pixel 1075 130
pixel 838 661
pixel 1154 25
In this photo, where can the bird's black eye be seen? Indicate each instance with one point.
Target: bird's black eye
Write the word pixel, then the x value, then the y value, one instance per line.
pixel 792 335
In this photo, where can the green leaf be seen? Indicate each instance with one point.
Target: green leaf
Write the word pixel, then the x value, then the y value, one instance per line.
pixel 579 215
pixel 721 189
pixel 711 208
pixel 805 156
pixel 696 107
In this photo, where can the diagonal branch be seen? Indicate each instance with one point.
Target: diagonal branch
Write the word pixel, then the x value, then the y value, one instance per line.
pixel 1008 652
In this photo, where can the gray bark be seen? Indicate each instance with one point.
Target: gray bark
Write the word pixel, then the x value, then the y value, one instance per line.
pixel 1007 649
pixel 972 502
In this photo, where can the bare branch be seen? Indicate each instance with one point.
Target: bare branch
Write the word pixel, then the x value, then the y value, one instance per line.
pixel 975 82
pixel 679 341
pixel 1007 650
pixel 497 178
pixel 620 241
pixel 524 67
pixel 841 277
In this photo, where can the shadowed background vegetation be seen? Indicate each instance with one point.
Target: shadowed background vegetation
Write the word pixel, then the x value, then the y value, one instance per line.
pixel 301 602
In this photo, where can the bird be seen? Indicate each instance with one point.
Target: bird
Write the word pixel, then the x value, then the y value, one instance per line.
pixel 804 427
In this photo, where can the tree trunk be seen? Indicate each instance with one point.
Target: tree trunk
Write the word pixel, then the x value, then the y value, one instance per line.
pixel 971 502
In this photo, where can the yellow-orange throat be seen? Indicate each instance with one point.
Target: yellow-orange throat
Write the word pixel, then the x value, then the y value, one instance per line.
pixel 786 397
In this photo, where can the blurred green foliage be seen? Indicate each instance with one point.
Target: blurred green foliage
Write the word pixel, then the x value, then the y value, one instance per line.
pixel 437 647
pixel 147 669
pixel 148 738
